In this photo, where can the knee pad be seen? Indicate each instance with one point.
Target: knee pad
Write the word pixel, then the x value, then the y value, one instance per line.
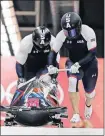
pixel 72 84
pixel 91 95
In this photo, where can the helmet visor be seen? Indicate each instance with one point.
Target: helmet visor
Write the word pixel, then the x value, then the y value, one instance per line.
pixel 71 33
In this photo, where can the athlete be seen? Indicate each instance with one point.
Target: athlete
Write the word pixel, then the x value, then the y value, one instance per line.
pixel 32 58
pixel 80 41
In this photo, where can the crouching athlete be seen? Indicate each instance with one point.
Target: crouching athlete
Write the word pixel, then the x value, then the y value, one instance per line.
pixel 32 58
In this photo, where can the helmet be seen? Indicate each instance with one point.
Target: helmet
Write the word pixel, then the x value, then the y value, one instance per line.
pixel 71 24
pixel 41 37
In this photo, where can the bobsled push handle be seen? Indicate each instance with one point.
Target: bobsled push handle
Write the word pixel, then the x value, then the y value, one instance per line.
pixel 32 79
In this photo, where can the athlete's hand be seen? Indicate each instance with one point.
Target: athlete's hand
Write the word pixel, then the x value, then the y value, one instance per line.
pixel 75 68
pixel 52 70
pixel 21 80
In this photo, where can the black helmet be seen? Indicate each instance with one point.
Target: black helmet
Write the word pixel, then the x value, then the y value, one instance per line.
pixel 41 37
pixel 71 24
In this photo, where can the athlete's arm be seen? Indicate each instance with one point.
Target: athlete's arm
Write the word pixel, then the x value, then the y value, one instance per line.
pixel 19 70
pixel 88 57
pixel 91 45
pixel 21 57
pixel 57 44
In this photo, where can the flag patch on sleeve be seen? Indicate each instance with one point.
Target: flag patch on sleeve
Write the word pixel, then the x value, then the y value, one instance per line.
pixel 92 40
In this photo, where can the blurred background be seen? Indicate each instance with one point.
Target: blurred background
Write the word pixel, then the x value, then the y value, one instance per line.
pixel 20 17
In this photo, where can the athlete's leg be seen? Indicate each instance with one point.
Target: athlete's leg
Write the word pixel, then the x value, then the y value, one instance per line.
pixel 89 82
pixel 73 91
pixel 74 98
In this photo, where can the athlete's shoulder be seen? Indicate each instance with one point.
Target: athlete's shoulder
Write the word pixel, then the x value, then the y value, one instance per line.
pixel 52 37
pixel 52 40
pixel 26 43
pixel 60 36
pixel 86 28
pixel 27 39
pixel 87 31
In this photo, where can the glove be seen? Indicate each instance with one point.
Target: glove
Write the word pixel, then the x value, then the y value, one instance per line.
pixel 20 80
pixel 52 69
pixel 75 68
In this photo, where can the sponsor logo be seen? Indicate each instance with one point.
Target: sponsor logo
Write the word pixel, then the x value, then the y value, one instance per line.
pixel 92 40
pixel 35 51
pixel 69 41
pixel 46 51
pixel 94 75
pixel 80 41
